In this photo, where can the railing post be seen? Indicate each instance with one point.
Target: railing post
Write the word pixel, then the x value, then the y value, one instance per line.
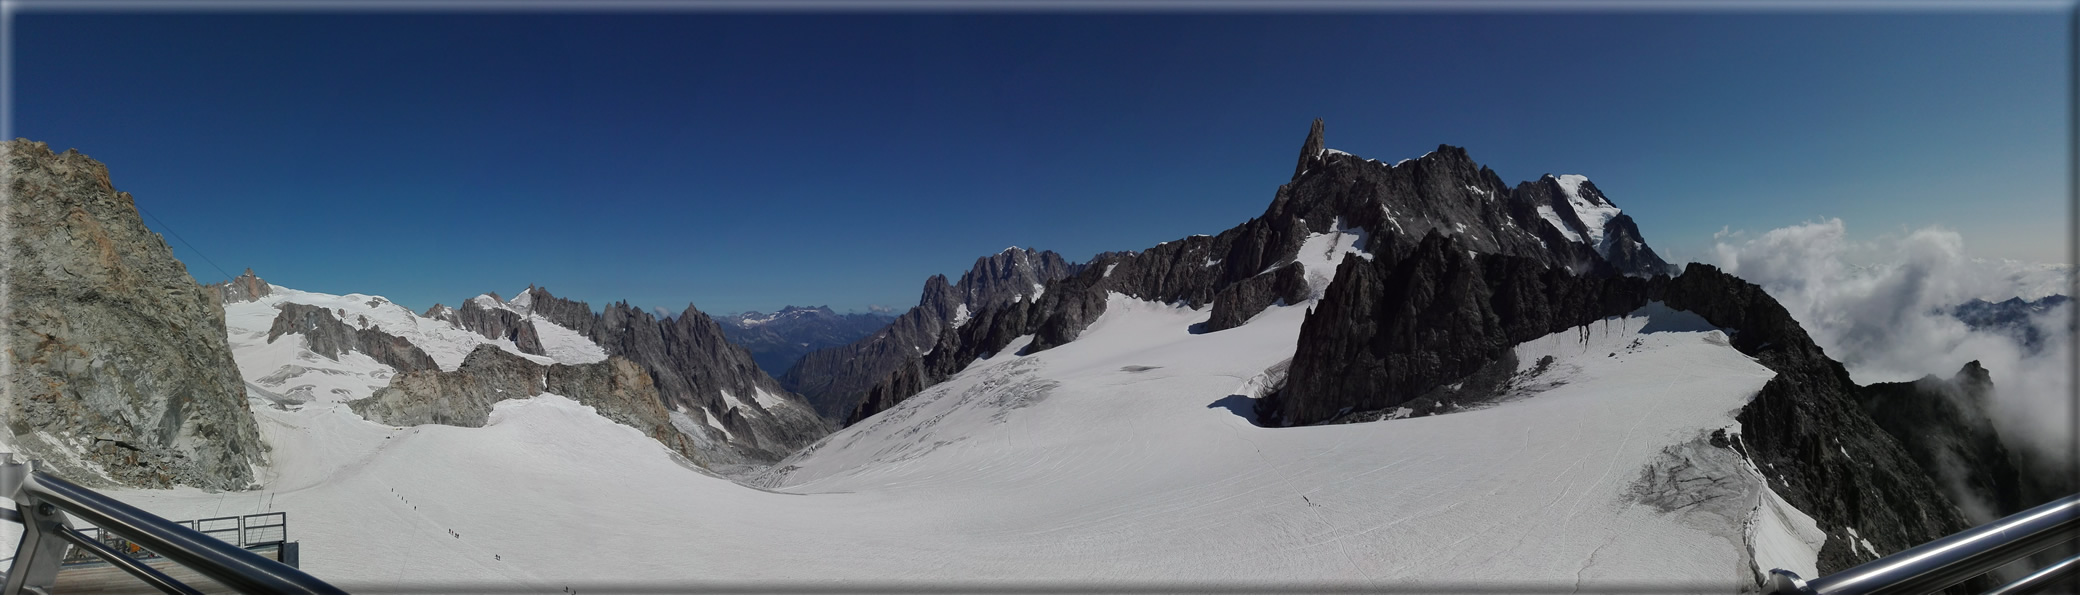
pixel 42 549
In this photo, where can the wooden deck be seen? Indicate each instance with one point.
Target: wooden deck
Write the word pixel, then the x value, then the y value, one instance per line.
pixel 102 578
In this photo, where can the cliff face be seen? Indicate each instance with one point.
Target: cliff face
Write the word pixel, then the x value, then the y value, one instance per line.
pixel 119 370
pixel 1392 329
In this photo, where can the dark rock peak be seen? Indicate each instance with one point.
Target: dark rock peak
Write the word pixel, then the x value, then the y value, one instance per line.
pixel 1445 189
pixel 1973 376
pixel 1009 274
pixel 439 312
pixel 1944 426
pixel 571 314
pixel 690 311
pixel 1310 150
pixel 497 322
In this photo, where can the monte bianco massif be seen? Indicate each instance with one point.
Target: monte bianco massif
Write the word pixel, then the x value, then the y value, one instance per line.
pixel 1399 376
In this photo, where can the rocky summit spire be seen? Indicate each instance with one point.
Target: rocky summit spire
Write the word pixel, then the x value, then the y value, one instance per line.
pixel 244 288
pixel 1311 150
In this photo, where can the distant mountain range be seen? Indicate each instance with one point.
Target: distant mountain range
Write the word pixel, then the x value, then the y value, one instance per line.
pixel 677 379
pixel 778 340
pixel 2014 317
pixel 836 379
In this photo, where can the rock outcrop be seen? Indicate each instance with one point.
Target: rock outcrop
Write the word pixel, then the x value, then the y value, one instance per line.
pixel 119 373
pixel 1942 423
pixel 244 288
pixel 441 312
pixel 616 388
pixel 499 323
pixel 327 336
pixel 1389 331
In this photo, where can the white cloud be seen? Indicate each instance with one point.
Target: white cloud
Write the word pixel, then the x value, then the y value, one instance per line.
pixel 1888 321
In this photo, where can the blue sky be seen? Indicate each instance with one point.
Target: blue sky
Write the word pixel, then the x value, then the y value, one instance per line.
pixel 742 161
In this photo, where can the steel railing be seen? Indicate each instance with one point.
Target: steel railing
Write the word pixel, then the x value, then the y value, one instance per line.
pixel 1932 567
pixel 259 530
pixel 42 503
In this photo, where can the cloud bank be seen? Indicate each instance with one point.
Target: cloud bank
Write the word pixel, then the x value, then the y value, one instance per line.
pixel 1889 320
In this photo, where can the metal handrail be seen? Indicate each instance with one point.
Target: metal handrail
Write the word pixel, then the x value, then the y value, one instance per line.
pixel 1952 559
pixel 243 534
pixel 2035 583
pixel 158 579
pixel 43 500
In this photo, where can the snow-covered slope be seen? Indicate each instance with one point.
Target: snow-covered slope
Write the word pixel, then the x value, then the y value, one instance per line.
pixel 286 368
pixel 1123 459
pixel 1132 443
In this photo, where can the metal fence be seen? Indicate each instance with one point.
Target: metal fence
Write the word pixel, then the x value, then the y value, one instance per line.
pixel 258 530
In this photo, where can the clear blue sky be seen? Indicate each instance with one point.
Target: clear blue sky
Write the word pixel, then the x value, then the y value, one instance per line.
pixel 743 162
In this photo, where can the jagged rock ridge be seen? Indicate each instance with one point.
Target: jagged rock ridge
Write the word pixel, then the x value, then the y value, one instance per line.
pixel 494 322
pixel 1454 269
pixel 1333 198
pixel 836 380
pixel 697 372
pixel 119 372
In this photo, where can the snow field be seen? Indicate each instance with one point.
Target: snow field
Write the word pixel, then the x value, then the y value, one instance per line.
pixel 1594 214
pixel 1123 459
pixel 1320 253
